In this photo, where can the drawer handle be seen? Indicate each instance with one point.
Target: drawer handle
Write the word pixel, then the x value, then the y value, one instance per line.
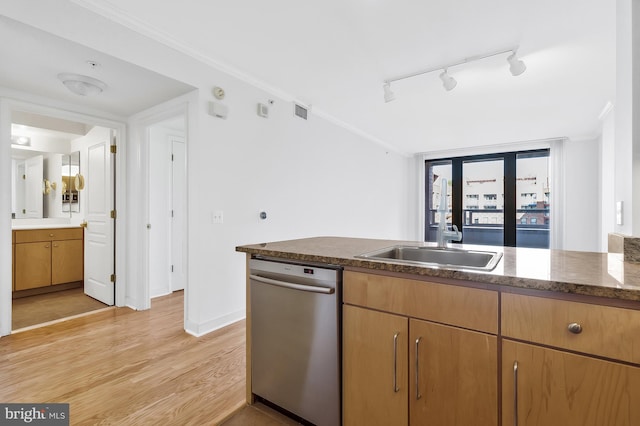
pixel 418 394
pixel 515 393
pixel 395 363
pixel 575 328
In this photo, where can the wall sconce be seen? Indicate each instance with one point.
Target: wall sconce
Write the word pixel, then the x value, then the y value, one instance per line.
pixel 79 182
pixel 48 186
pixel 21 140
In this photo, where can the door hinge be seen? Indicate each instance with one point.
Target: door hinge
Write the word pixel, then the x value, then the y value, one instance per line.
pixel 114 149
pixel 171 268
pixel 114 214
pixel 112 278
pixel 171 213
pixel 171 157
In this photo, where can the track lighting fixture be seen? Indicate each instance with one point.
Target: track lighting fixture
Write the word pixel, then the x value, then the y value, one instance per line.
pixel 448 82
pixel 388 93
pixel 516 67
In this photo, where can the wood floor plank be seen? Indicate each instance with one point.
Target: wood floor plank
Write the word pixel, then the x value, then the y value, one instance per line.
pixel 128 368
pixel 42 308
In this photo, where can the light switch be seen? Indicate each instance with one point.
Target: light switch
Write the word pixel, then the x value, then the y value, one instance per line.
pixel 217 216
pixel 619 213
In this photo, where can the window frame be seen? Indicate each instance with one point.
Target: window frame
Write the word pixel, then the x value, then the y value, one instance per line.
pixel 511 198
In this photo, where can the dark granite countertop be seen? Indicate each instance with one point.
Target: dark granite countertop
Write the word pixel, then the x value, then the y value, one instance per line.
pixel 585 273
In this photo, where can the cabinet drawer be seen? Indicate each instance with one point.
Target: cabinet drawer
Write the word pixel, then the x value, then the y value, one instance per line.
pixel 34 235
pixel 472 308
pixel 605 331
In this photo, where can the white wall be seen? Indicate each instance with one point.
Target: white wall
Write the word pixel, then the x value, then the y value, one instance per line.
pixel 607 180
pixel 310 177
pixel 627 116
pixel 582 195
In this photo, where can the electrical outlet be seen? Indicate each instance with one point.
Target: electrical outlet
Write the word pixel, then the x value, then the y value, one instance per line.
pixel 217 216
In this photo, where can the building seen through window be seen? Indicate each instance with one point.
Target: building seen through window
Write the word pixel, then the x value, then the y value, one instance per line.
pixel 498 199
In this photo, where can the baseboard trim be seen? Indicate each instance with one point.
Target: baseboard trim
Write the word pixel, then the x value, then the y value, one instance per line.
pixel 206 327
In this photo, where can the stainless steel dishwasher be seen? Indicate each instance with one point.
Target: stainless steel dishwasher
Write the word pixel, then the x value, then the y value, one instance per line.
pixel 295 338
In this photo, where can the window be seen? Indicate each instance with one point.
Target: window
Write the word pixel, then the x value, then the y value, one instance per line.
pixel 496 199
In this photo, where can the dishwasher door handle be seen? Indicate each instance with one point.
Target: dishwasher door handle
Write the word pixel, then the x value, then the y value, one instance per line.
pixel 292 286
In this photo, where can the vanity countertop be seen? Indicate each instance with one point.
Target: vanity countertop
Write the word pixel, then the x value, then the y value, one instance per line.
pixel 46 226
pixel 584 273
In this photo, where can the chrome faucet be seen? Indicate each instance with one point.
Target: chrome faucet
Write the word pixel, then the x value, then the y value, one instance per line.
pixel 445 234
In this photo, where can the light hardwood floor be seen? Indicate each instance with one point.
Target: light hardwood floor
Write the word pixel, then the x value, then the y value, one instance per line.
pixel 122 367
pixel 43 308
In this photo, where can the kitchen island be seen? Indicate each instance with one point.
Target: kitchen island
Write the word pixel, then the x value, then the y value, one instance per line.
pixel 547 337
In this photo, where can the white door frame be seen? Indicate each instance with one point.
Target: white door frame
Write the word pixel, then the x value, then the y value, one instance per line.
pixel 8 105
pixel 139 143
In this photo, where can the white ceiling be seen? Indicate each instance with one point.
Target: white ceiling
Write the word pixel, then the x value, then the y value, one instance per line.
pixel 335 55
pixel 33 58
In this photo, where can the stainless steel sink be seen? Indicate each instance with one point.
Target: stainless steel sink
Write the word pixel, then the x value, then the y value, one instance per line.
pixel 450 258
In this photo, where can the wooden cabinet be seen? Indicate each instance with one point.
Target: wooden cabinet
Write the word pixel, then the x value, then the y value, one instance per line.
pixel 555 373
pixel 46 257
pixel 453 375
pixel 408 361
pixel 375 367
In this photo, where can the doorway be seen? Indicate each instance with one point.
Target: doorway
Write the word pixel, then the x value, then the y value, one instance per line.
pixel 63 251
pixel 167 206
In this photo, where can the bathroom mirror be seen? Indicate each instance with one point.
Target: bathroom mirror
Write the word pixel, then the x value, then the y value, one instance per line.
pixel 38 189
pixel 71 182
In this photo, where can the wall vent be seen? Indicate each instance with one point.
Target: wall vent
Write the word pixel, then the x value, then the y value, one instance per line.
pixel 300 111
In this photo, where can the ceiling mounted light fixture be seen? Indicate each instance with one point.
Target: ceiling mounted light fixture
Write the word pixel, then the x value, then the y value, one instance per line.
pixel 516 66
pixel 81 84
pixel 388 93
pixel 448 82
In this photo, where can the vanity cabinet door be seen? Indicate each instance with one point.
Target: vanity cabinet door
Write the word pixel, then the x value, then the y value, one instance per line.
pixel 453 376
pixel 375 382
pixel 546 387
pixel 66 261
pixel 32 265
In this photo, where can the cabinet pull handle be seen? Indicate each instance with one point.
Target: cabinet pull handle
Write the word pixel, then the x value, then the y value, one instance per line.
pixel 418 395
pixel 515 393
pixel 395 362
pixel 575 328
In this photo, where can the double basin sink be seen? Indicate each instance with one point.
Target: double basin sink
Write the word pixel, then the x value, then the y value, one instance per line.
pixel 449 258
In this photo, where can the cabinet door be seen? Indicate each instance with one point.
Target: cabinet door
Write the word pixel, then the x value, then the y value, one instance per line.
pixel 66 261
pixel 375 382
pixel 550 387
pixel 453 376
pixel 32 265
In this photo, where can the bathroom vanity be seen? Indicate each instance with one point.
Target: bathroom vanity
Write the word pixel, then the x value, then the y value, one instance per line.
pixel 44 258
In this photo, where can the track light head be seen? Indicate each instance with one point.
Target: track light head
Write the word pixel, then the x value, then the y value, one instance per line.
pixel 448 82
pixel 516 66
pixel 388 93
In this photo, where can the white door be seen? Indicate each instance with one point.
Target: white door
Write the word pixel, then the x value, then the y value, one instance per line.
pixel 99 233
pixel 33 187
pixel 178 208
